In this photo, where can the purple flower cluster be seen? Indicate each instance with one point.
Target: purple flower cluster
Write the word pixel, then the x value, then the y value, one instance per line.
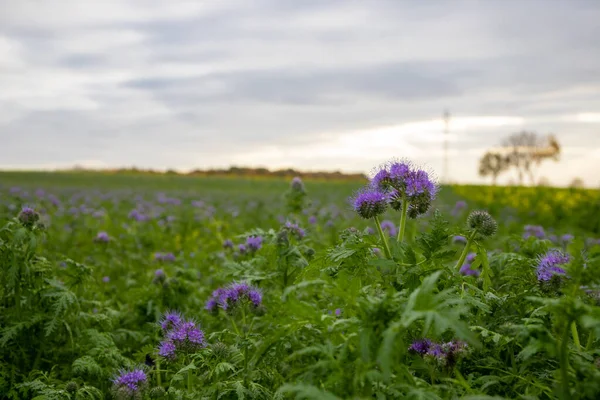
pixel 370 202
pixel 549 265
pixel 459 207
pixel 254 243
pixel 102 237
pixel 444 353
pixel 294 229
pixel 459 239
pixel 534 231
pixel 466 267
pixel 164 257
pixel 130 382
pixel 228 244
pixel 400 182
pixel 228 298
pixel 181 335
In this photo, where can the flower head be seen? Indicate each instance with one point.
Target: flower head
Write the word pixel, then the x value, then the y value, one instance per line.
pixel 390 227
pixel 102 237
pixel 130 382
pixel 294 229
pixel 28 216
pixel 167 349
pixel 297 185
pixel 369 203
pixel 483 222
pixel 227 244
pixel 232 296
pixel 170 320
pixel 549 265
pixel 420 346
pixel 254 243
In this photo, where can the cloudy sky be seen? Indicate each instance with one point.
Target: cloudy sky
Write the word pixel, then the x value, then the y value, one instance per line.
pixel 308 84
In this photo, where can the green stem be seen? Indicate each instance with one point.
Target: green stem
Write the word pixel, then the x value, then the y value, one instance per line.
pixel 575 335
pixel 465 251
pixel 158 383
pixel 564 365
pixel 235 328
pixel 189 380
pixel 403 219
pixel 386 247
pixel 590 340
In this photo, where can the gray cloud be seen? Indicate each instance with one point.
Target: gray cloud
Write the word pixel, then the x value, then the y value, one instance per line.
pixel 201 84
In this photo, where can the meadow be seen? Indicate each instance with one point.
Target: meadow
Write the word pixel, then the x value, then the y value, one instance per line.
pixel 133 286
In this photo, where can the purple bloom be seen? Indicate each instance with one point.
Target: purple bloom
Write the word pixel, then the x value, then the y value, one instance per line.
pixel 170 320
pixel 535 231
pixel 466 270
pixel 312 220
pixel 254 243
pixel 548 265
pixel 297 184
pixel 338 312
pixel 369 203
pixel 165 257
pixel 567 238
pixel 390 227
pixel 159 272
pixel 186 336
pixel 106 279
pixel 295 229
pixel 233 295
pixel 436 350
pixel 28 216
pixel 420 346
pixel 471 257
pixel 459 239
pixel 227 244
pixel 132 381
pixel 102 237
pixel 167 349
pixel 242 248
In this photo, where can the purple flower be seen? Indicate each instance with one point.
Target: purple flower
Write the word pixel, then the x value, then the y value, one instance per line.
pixel 233 295
pixel 167 349
pixel 535 231
pixel 227 244
pixel 106 279
pixel 132 381
pixel 338 312
pixel 242 248
pixel 164 257
pixel 170 320
pixel 295 229
pixel 567 238
pixel 471 257
pixel 297 184
pixel 548 265
pixel 159 272
pixel 370 203
pixel 312 220
pixel 186 336
pixel 420 346
pixel 254 243
pixel 102 237
pixel 390 227
pixel 28 216
pixel 466 270
pixel 459 239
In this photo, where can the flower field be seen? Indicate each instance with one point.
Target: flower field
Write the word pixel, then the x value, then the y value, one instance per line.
pixel 132 286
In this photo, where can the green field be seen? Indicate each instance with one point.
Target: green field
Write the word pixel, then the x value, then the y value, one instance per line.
pixel 327 314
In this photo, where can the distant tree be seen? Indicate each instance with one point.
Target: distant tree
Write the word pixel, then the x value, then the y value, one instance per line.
pixel 577 183
pixel 524 151
pixel 492 164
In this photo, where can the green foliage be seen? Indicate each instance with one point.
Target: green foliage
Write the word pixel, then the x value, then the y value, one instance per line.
pixel 337 319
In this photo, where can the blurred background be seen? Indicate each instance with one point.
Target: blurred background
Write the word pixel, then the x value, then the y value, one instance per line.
pixel 502 92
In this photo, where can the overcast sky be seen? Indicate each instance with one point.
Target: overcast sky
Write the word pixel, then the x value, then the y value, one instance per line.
pixel 287 83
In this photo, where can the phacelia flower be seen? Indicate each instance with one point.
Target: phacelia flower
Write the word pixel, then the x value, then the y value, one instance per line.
pixel 130 383
pixel 370 203
pixel 187 336
pixel 227 244
pixel 390 227
pixel 106 279
pixel 102 237
pixel 234 295
pixel 294 229
pixel 483 222
pixel 167 349
pixel 420 346
pixel 164 257
pixel 534 231
pixel 170 320
pixel 254 243
pixel 28 216
pixel 549 265
pixel 459 239
pixel 297 185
